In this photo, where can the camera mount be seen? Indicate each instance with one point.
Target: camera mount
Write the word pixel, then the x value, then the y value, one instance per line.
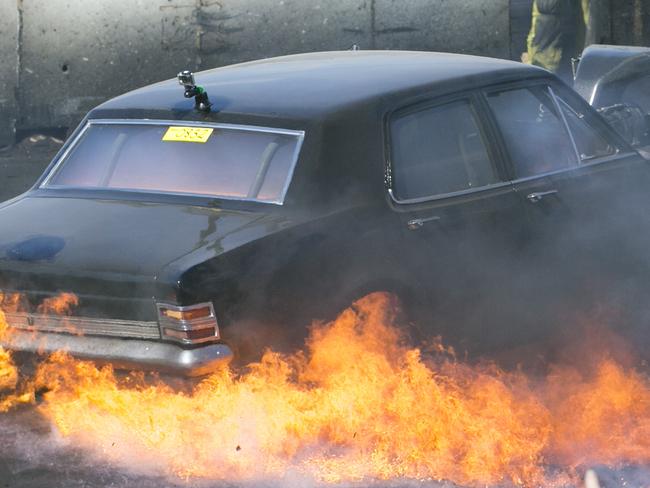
pixel 201 101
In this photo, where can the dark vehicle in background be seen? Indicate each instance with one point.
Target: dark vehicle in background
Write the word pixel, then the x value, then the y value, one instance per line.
pixel 477 190
pixel 615 80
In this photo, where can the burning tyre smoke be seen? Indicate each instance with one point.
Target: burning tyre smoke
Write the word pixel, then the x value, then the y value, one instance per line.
pixel 358 404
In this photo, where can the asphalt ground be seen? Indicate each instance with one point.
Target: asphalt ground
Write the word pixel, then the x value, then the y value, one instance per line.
pixel 32 456
pixel 23 163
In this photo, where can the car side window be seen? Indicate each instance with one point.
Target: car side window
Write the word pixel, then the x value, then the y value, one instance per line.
pixel 533 131
pixel 589 141
pixel 439 150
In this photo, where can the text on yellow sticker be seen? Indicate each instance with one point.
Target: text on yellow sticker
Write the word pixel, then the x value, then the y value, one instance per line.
pixel 188 134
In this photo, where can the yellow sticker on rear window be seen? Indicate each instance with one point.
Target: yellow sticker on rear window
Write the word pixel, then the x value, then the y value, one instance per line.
pixel 188 134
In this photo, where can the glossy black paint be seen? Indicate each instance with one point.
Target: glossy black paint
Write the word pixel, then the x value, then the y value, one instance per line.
pixel 474 270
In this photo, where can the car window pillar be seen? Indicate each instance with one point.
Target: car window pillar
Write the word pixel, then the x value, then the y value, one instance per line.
pixel 565 124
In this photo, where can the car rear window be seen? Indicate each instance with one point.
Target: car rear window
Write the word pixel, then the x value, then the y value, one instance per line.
pixel 222 161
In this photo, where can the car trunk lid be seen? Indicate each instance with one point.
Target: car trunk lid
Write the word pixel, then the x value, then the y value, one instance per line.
pixel 109 252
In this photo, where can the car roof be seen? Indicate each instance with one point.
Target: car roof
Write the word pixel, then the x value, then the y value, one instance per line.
pixel 305 86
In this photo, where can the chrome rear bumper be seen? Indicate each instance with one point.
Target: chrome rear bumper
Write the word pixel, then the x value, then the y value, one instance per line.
pixel 124 353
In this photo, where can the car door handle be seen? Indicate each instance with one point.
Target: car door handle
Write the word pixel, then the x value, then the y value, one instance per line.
pixel 416 224
pixel 538 196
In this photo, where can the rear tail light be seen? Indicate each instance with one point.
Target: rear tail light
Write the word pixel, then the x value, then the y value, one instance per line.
pixel 194 324
pixel 185 315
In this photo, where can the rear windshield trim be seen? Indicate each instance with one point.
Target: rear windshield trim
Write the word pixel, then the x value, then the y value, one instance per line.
pixel 299 134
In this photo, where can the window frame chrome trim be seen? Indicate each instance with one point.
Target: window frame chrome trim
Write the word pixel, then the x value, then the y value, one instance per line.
pixel 299 134
pixel 603 160
pixel 443 196
pixel 496 186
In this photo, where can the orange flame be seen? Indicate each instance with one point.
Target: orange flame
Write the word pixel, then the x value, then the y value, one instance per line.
pixel 12 302
pixel 62 304
pixel 9 374
pixel 357 405
pixel 604 419
pixel 8 371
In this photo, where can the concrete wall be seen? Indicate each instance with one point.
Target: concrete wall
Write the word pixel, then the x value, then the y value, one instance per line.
pixel 72 55
pixel 59 58
pixel 8 70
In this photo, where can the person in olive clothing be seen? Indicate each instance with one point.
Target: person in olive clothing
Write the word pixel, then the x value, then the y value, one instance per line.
pixel 557 34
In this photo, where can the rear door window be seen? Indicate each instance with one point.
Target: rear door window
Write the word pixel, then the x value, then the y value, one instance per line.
pixel 439 150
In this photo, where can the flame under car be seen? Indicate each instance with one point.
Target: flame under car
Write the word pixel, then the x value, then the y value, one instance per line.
pixel 189 236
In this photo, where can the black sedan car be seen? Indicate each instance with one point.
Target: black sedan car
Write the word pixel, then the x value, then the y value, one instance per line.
pixel 481 192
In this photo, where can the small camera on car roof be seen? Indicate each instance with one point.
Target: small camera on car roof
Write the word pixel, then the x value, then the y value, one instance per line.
pixel 201 101
pixel 186 78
